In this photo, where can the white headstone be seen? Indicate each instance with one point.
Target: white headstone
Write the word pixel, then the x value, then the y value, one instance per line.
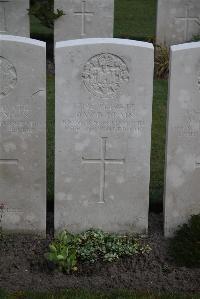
pixel 183 146
pixel 103 134
pixel 14 18
pixel 178 21
pixel 22 134
pixel 84 19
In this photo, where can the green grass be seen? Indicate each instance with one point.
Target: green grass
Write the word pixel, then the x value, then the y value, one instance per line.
pixel 135 19
pixel 158 141
pixel 50 136
pixel 77 294
pixel 38 31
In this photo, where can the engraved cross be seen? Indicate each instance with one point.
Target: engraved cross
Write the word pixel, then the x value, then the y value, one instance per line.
pixel 83 13
pixel 103 162
pixel 3 21
pixel 187 19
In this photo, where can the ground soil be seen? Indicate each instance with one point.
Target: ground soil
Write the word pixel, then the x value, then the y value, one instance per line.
pixel 23 267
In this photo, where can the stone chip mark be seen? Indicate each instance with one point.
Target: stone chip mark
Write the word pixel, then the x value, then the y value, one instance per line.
pixel 38 91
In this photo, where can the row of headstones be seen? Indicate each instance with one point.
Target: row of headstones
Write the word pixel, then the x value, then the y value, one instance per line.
pixel 178 21
pixel 103 113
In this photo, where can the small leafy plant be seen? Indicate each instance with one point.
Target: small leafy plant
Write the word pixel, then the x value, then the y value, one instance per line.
pixel 196 38
pixel 62 252
pixel 185 245
pixel 161 62
pixel 44 11
pixel 91 246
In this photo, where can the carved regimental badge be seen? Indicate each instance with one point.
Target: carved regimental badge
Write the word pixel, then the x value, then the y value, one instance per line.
pixel 8 77
pixel 104 75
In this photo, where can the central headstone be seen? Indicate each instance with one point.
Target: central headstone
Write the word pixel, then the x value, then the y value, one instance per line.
pixel 22 134
pixel 14 18
pixel 84 19
pixel 103 134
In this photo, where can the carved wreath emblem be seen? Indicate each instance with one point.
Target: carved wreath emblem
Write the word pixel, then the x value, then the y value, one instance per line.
pixel 8 77
pixel 104 75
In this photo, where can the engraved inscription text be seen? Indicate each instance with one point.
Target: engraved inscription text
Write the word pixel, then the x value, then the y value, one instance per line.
pixel 104 118
pixel 191 125
pixel 18 118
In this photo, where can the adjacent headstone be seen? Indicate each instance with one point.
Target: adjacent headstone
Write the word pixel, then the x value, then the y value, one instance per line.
pixel 103 134
pixel 178 21
pixel 14 18
pixel 22 134
pixel 84 19
pixel 183 146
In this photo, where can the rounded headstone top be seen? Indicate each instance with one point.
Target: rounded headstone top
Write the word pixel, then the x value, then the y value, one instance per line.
pixel 93 41
pixel 21 39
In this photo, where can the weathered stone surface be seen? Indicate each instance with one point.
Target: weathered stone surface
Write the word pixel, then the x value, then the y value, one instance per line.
pixel 183 147
pixel 22 134
pixel 178 21
pixel 84 19
pixel 103 134
pixel 14 18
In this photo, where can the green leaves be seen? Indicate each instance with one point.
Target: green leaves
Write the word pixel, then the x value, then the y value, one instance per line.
pixel 62 252
pixel 91 246
pixel 44 11
pixel 96 244
pixel 162 62
pixel 52 248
